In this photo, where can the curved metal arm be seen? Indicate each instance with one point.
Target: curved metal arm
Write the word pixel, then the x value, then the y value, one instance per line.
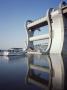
pixel 50 30
pixel 27 22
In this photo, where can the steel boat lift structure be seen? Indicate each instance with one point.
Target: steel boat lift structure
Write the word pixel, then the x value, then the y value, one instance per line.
pixel 56 19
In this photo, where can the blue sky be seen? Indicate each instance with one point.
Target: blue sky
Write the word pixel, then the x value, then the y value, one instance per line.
pixel 13 15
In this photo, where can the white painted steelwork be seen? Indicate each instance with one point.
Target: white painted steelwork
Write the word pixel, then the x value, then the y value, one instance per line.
pixel 39 37
pixel 36 22
pixel 56 21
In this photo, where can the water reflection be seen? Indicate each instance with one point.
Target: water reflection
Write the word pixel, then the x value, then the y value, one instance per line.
pixel 46 71
pixel 7 59
pixel 4 59
pixel 33 72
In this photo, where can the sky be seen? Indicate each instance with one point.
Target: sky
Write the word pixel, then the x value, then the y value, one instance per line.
pixel 13 16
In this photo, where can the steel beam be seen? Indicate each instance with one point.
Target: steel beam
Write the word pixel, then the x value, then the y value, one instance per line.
pixel 39 37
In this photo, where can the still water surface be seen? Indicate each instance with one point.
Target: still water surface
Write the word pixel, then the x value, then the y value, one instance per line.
pixel 33 72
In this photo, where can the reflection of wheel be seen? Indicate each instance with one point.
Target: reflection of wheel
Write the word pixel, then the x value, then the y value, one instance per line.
pixel 28 22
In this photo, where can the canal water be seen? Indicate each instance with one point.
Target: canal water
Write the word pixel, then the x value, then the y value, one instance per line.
pixel 33 72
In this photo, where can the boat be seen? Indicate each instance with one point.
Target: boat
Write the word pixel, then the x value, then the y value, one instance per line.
pixel 4 52
pixel 12 52
pixel 15 51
